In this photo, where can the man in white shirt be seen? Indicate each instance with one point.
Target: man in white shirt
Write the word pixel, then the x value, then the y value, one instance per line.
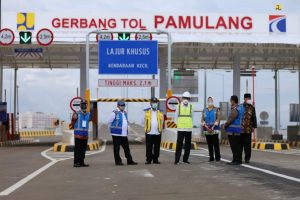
pixel 153 125
pixel 118 126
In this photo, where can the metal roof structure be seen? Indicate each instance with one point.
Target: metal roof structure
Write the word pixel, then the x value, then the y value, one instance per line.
pixel 184 55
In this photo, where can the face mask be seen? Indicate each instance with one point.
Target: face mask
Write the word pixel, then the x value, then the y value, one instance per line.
pixel 185 101
pixel 154 105
pixel 249 101
pixel 210 103
pixel 122 108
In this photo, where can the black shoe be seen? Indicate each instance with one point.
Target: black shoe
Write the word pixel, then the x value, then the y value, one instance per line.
pixel 218 160
pixel 156 162
pixel 211 160
pixel 147 163
pixel 132 163
pixel 176 163
pixel 84 165
pixel 247 161
pixel 186 162
pixel 119 164
pixel 77 165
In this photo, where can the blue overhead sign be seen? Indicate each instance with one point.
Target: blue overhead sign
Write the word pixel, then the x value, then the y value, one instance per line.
pixel 128 57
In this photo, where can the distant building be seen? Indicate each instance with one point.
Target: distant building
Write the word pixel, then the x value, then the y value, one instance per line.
pixel 37 120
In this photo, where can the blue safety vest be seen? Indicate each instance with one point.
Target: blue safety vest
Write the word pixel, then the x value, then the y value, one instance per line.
pixel 210 116
pixel 236 126
pixel 81 127
pixel 116 125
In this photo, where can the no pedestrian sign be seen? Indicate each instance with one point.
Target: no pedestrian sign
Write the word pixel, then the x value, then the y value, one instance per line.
pixel 128 57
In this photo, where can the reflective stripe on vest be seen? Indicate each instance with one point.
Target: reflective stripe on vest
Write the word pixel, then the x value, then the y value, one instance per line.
pixel 185 116
pixel 148 120
pixel 116 125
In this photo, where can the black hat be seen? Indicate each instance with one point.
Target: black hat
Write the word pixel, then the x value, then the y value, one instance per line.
pixel 154 99
pixel 247 95
pixel 121 103
pixel 83 101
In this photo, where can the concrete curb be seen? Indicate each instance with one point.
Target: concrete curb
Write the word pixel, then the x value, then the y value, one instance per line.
pixel 46 133
pixel 12 143
pixel 270 146
pixel 92 146
pixel 172 145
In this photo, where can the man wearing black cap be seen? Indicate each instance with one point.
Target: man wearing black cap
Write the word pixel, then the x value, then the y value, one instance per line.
pixel 118 125
pixel 153 125
pixel 249 123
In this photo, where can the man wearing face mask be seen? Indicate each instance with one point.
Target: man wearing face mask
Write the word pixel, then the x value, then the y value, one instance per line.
pixel 80 123
pixel 249 123
pixel 184 121
pixel 153 125
pixel 211 127
pixel 233 128
pixel 118 126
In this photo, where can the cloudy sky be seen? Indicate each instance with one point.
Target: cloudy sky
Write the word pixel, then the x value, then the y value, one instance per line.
pixel 50 91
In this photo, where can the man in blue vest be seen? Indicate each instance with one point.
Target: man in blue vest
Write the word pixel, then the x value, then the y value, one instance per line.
pixel 211 128
pixel 233 127
pixel 118 126
pixel 80 122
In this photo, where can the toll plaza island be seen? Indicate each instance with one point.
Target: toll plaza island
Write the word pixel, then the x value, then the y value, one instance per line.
pixel 149 100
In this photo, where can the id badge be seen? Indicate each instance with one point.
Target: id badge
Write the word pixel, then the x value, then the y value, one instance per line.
pixel 83 124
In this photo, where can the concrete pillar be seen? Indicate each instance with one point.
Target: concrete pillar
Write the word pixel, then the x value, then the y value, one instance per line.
pixel 83 73
pixel 1 82
pixel 276 102
pixel 236 77
pixel 15 100
pixel 163 82
pixel 299 98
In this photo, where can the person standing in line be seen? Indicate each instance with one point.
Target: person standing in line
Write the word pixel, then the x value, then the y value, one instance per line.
pixel 211 127
pixel 153 125
pixel 249 123
pixel 184 121
pixel 118 126
pixel 233 129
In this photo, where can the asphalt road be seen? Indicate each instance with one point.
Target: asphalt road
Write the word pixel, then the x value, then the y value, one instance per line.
pixel 104 180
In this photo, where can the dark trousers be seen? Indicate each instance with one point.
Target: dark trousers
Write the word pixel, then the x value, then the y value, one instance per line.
pixel 121 141
pixel 187 137
pixel 236 148
pixel 213 146
pixel 152 147
pixel 246 139
pixel 79 150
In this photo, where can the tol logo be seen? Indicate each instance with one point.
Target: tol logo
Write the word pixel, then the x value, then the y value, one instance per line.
pixel 25 21
pixel 277 23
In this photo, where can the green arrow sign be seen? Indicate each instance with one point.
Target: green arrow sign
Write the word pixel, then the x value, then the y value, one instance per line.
pixel 25 37
pixel 124 36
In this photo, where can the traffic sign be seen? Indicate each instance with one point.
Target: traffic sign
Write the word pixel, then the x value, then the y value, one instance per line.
pixel 29 53
pixel 7 37
pixel 104 36
pixel 25 37
pixel 44 37
pixel 172 103
pixel 123 36
pixel 143 36
pixel 127 82
pixel 75 104
pixel 128 57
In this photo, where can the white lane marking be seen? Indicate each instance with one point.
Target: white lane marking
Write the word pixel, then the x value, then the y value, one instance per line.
pixel 251 167
pixel 39 171
pixel 143 172
pixel 26 179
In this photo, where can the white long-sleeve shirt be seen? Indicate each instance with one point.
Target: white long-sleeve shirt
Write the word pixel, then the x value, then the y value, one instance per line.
pixel 124 124
pixel 176 117
pixel 154 124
